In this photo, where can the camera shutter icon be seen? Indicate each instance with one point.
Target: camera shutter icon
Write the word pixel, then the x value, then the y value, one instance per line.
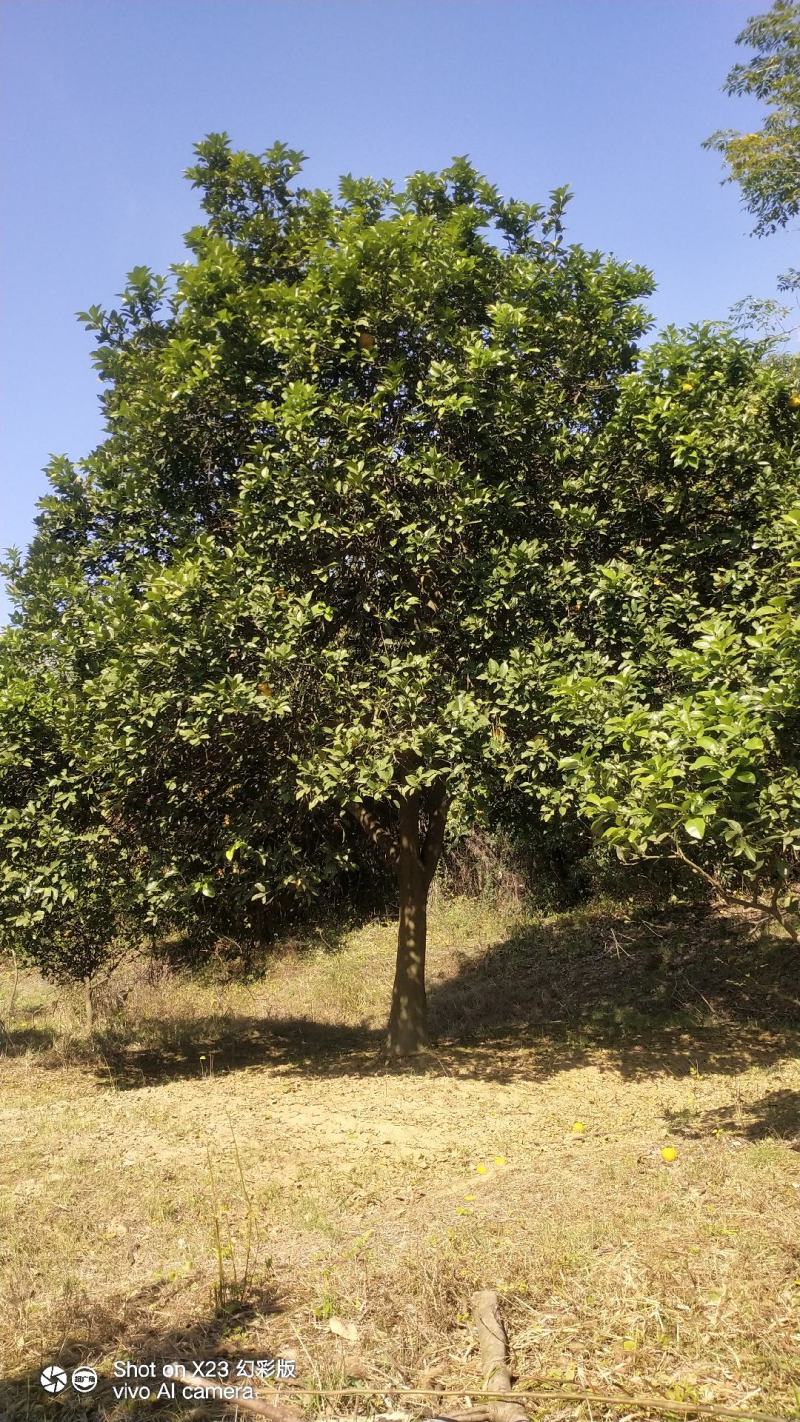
pixel 53 1379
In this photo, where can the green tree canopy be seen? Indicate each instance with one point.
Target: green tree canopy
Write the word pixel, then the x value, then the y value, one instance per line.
pixel 685 714
pixel 391 515
pixel 68 871
pixel 766 163
pixel 347 476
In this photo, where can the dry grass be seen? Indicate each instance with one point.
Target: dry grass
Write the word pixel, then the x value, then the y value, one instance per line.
pixel 249 1129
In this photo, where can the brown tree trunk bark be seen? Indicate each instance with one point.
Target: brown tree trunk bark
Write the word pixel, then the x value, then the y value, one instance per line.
pixel 88 1004
pixel 408 1018
pixel 415 865
pixel 414 862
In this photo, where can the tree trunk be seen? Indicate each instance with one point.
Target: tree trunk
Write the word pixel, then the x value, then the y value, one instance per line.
pixel 415 865
pixel 88 1004
pixel 408 1019
pixel 414 860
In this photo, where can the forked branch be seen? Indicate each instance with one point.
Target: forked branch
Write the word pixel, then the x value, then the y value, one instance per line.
pixel 437 824
pixel 382 839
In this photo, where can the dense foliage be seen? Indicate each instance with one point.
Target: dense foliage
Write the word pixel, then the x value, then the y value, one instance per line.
pixel 68 872
pixel 766 163
pixel 343 476
pixel 386 521
pixel 686 716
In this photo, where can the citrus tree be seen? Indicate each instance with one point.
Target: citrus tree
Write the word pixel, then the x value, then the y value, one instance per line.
pixel 683 704
pixel 67 871
pixel 347 476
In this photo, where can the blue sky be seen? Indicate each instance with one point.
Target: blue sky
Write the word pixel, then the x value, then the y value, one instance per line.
pixel 103 99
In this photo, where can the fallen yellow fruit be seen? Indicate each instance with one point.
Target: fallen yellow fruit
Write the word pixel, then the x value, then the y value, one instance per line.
pixel 578 1127
pixel 499 1160
pixel 481 1169
pixel 669 1153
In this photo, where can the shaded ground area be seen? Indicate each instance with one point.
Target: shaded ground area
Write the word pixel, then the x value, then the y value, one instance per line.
pixel 206 1336
pixel 775 1116
pixel 657 990
pixel 244 1144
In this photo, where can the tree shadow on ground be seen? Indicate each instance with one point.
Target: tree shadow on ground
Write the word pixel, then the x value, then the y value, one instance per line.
pixel 642 993
pixel 656 991
pixel 27 1039
pixel 775 1116
pixel 210 1335
pixel 214 1046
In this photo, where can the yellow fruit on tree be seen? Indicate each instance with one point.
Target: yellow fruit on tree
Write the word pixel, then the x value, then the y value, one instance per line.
pixel 794 401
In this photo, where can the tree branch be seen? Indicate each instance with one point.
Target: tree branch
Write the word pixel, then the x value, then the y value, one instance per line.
pixel 769 911
pixel 434 838
pixel 383 840
pixel 493 1344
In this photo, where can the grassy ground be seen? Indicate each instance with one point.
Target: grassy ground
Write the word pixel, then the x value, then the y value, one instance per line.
pixel 226 1170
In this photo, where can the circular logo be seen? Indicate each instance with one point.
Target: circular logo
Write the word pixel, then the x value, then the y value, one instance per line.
pixel 53 1379
pixel 84 1379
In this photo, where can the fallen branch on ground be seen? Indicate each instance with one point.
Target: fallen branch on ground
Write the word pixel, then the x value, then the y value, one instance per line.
pixel 499 1400
pixel 493 1344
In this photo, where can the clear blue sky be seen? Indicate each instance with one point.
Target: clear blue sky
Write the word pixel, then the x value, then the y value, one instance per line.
pixel 103 99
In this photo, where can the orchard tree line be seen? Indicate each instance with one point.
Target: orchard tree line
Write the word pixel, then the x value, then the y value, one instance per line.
pixel 395 521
